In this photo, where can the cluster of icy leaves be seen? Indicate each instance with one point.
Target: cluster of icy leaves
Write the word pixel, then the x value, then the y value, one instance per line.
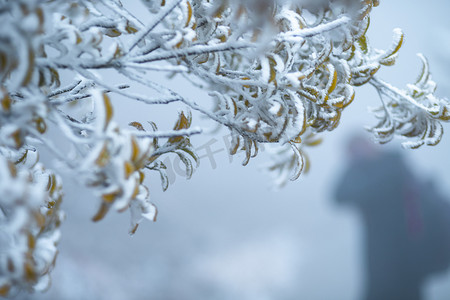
pixel 415 112
pixel 292 71
pixel 29 221
pixel 279 72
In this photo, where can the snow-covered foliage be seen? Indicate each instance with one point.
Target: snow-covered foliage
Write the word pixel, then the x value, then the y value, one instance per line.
pixel 29 219
pixel 278 72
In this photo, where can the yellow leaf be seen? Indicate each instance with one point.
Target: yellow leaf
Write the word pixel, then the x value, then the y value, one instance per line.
pixel 103 158
pixel 130 29
pixel 135 151
pixel 363 44
pixel 314 143
pixel 12 169
pixel 137 125
pixel 6 102
pixel 108 110
pixel 104 207
pixel 39 218
pixel 332 81
pixel 110 197
pixel 30 273
pixel 17 138
pixel 113 32
pixel 136 190
pixel 4 290
pixel 31 241
pixel 129 169
pixel 54 183
pixel 141 176
pixel 118 52
pixel 30 69
pixel 184 122
pixel 297 140
pixel 189 7
pixel 41 126
pixel 133 230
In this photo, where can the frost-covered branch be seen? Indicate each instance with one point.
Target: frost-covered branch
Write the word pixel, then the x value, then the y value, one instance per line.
pixel 278 72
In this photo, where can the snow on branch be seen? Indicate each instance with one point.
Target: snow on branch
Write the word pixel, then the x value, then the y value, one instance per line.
pixel 278 72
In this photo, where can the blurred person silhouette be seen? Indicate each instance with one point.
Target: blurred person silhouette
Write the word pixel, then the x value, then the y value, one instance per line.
pixel 406 222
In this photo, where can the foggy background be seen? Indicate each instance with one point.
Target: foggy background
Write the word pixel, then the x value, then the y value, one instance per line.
pixel 225 234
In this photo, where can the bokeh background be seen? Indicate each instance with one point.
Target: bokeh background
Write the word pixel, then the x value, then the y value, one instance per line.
pixel 227 234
